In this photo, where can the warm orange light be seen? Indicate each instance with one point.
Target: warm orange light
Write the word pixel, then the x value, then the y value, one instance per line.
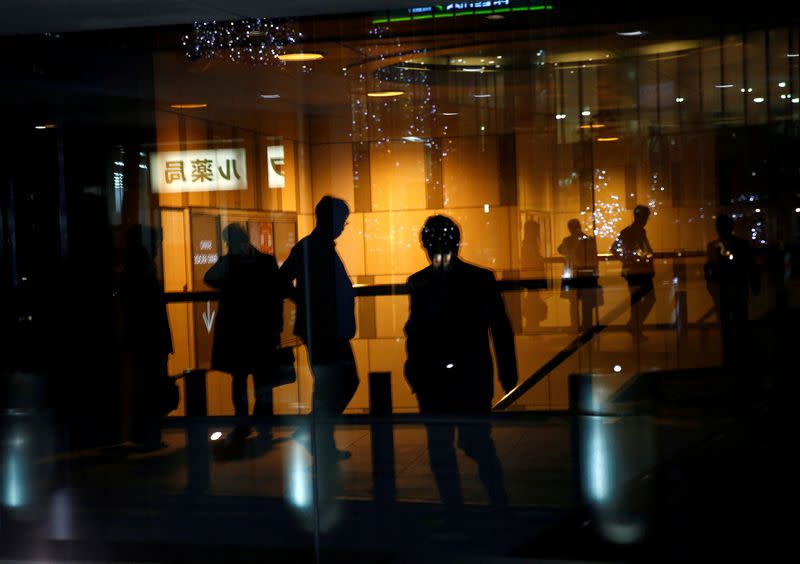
pixel 593 126
pixel 300 57
pixel 601 139
pixel 385 94
pixel 188 106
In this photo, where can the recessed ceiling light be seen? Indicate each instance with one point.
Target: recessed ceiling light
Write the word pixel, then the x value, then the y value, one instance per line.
pixel 300 57
pixel 758 100
pixel 188 106
pixel 481 95
pixel 472 69
pixel 635 33
pixel 723 86
pixel 269 96
pixel 385 94
pixel 449 113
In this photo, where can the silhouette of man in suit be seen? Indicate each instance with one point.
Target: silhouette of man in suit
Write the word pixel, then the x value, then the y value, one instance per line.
pixel 730 274
pixel 636 254
pixel 325 319
pixel 455 308
pixel 579 280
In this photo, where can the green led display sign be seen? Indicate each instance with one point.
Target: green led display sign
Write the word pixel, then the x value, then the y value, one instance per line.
pixel 456 9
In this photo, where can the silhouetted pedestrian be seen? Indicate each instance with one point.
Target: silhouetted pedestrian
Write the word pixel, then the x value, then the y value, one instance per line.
pixel 454 308
pixel 147 334
pixel 636 254
pixel 325 319
pixel 579 279
pixel 730 274
pixel 249 325
pixel 532 262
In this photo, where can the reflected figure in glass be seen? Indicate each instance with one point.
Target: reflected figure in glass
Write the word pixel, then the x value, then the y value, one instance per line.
pixel 325 319
pixel 730 274
pixel 249 324
pixel 533 265
pixel 147 335
pixel 455 308
pixel 579 278
pixel 633 249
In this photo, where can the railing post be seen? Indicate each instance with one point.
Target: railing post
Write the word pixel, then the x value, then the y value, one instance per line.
pixel 380 405
pixel 198 450
pixel 681 304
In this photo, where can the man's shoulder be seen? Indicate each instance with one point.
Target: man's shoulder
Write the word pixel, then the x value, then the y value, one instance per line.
pixel 419 277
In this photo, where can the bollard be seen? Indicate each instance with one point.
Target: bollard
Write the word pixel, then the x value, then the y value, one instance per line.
pixel 198 451
pixel 614 445
pixel 380 405
pixel 194 393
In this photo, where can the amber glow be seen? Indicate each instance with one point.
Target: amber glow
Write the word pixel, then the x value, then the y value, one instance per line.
pixel 300 57
pixel 385 94
pixel 593 126
pixel 188 106
pixel 601 139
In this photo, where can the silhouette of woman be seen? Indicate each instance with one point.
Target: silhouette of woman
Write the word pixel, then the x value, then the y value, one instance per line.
pixel 248 324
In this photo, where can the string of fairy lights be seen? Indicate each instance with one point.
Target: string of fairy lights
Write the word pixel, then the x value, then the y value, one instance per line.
pixel 254 41
pixel 372 99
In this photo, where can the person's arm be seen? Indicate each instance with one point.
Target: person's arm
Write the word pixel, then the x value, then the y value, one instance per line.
pixel 617 249
pixel 288 273
pixel 502 337
pixel 413 339
pixel 216 275
pixel 564 247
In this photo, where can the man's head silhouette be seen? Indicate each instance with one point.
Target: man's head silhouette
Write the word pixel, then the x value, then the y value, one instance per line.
pixel 332 216
pixel 237 239
pixel 640 215
pixel 441 237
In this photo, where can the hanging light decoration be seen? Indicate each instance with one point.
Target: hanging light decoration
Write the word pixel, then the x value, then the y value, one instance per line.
pixel 253 41
pixel 375 96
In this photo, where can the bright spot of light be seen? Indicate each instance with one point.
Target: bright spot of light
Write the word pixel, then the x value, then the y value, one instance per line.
pixel 617 368
pixel 216 435
pixel 450 365
pixel 586 113
pixel 782 84
pixel 485 208
pixel 758 100
pixel 299 480
pixel 598 467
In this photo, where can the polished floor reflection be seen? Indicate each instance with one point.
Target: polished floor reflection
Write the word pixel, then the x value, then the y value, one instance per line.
pixel 631 478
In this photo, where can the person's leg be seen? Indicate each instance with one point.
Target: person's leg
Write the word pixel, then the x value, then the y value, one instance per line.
pixel 239 397
pixel 442 456
pixel 642 302
pixel 475 439
pixel 335 383
pixel 263 410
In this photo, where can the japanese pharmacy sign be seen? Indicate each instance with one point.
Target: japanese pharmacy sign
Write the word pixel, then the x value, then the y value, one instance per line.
pixel 275 164
pixel 210 170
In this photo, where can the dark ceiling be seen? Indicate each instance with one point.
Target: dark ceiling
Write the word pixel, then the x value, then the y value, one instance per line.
pixel 21 17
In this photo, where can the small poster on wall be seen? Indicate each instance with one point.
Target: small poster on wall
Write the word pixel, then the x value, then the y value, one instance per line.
pixel 275 167
pixel 261 236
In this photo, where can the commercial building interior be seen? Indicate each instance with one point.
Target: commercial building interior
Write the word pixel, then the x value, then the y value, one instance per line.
pixel 511 117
